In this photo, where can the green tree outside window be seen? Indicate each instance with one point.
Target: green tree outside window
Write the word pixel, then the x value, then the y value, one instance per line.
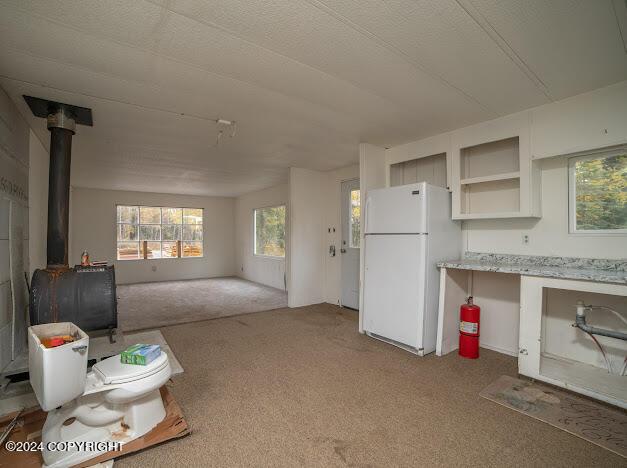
pixel 270 231
pixel 601 193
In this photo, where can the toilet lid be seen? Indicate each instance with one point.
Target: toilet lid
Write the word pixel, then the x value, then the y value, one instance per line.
pixel 112 370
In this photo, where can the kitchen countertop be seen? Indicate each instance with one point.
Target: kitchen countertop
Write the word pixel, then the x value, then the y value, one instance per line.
pixel 588 269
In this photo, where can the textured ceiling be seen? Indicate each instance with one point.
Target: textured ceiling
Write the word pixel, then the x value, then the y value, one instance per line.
pixel 306 80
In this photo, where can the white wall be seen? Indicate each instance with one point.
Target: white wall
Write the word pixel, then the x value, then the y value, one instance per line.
pixel 93 228
pixel 333 219
pixel 314 210
pixel 498 295
pixel 549 234
pixel 308 194
pixel 588 121
pixel 14 248
pixel 373 174
pixel 37 202
pixel 591 120
pixel 264 270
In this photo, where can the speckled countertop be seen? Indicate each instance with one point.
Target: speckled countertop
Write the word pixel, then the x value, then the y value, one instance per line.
pixel 589 269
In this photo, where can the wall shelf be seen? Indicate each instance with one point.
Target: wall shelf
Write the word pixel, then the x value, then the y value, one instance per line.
pixel 490 178
pixel 494 215
pixel 492 174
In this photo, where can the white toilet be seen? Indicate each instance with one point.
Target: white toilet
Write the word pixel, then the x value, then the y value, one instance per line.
pixel 114 402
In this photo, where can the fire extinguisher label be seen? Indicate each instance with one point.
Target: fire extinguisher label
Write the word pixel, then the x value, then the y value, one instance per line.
pixel 468 327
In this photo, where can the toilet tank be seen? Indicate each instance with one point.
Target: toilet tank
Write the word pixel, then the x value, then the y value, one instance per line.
pixel 58 374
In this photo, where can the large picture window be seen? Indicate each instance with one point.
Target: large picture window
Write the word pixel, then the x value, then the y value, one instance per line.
pixel 598 193
pixel 270 231
pixel 149 232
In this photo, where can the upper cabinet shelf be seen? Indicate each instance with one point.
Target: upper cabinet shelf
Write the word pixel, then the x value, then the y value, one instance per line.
pixel 491 178
pixel 493 175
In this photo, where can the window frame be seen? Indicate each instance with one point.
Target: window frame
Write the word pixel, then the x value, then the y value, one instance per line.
pixel 572 195
pixel 254 213
pixel 350 219
pixel 117 223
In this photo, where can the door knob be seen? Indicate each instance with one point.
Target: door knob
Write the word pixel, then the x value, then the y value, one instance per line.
pixel 342 250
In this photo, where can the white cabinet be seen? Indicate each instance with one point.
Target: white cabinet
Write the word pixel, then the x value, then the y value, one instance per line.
pixel 430 169
pixel 498 295
pixel 597 119
pixel 553 351
pixel 493 175
pixel 426 160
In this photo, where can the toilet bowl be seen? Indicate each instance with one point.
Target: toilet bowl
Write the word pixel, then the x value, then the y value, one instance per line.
pixel 114 402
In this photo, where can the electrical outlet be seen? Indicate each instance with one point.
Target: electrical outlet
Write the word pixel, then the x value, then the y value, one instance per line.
pixel 525 239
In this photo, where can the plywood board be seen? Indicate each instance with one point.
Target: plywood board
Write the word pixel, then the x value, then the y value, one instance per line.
pixel 596 423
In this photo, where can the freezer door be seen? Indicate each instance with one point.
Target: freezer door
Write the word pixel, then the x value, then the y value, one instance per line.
pixel 394 284
pixel 396 210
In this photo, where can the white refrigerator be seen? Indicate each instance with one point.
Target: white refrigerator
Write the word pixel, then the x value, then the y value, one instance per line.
pixel 408 229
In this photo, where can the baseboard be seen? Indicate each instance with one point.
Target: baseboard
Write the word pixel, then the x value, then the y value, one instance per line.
pixel 509 352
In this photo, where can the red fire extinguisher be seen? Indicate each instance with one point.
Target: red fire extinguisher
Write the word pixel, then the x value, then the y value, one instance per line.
pixel 469 330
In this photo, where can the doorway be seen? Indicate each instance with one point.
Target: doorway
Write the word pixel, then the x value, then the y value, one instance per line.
pixel 351 238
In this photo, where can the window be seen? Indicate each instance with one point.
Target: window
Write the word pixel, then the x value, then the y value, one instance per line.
pixel 598 193
pixel 270 231
pixel 145 232
pixel 355 208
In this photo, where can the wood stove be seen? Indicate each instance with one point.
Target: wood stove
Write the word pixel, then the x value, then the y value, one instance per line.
pixel 60 293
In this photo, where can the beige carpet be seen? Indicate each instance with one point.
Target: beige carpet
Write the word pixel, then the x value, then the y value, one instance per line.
pixel 152 305
pixel 301 387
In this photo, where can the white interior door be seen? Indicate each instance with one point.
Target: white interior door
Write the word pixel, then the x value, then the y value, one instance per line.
pixel 349 249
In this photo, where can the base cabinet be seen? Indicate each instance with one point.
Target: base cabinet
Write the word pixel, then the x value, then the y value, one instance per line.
pixel 553 351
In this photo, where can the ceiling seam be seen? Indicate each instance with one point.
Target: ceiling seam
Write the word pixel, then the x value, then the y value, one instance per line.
pixel 396 51
pixel 106 99
pixel 287 57
pixel 176 60
pixel 181 194
pixel 156 87
pixel 157 30
pixel 623 38
pixel 199 165
pixel 502 44
pixel 272 171
pixel 111 100
pixel 93 96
